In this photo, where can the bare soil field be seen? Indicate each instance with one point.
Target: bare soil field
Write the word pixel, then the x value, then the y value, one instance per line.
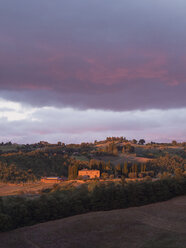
pixel 159 225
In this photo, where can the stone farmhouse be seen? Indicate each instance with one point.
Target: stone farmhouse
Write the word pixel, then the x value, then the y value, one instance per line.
pixel 89 173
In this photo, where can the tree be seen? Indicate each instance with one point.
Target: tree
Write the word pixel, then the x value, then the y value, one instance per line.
pixel 72 172
pixel 178 173
pixel 125 169
pixel 128 148
pixel 134 169
pixel 134 141
pixel 174 143
pixel 143 168
pixel 141 142
pixel 115 151
pixel 117 170
pixel 5 222
pixel 104 175
pixel 108 166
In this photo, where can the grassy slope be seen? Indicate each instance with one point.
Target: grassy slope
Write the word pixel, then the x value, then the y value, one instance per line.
pixel 32 188
pixel 16 189
pixel 140 153
pixel 161 225
pixel 121 158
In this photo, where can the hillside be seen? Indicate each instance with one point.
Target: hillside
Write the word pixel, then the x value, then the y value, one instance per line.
pixel 155 225
pixel 114 157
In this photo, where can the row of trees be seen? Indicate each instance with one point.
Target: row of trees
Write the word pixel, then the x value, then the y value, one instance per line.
pixel 19 211
pixel 123 139
pixel 114 149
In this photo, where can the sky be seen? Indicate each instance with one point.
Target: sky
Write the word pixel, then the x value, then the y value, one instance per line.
pixel 76 71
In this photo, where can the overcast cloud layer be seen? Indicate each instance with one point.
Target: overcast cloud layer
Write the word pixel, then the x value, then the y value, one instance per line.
pixel 23 124
pixel 95 67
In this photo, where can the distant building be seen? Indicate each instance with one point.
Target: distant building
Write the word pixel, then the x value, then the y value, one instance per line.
pixel 51 179
pixel 45 143
pixel 89 173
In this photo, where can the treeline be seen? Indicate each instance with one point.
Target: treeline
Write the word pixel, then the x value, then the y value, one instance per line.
pixel 20 211
pixel 114 149
pixel 141 141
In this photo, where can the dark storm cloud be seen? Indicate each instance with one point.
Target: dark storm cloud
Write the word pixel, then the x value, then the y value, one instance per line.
pixel 119 55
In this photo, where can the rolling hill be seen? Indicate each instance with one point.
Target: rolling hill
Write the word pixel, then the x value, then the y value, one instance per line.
pixel 161 225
